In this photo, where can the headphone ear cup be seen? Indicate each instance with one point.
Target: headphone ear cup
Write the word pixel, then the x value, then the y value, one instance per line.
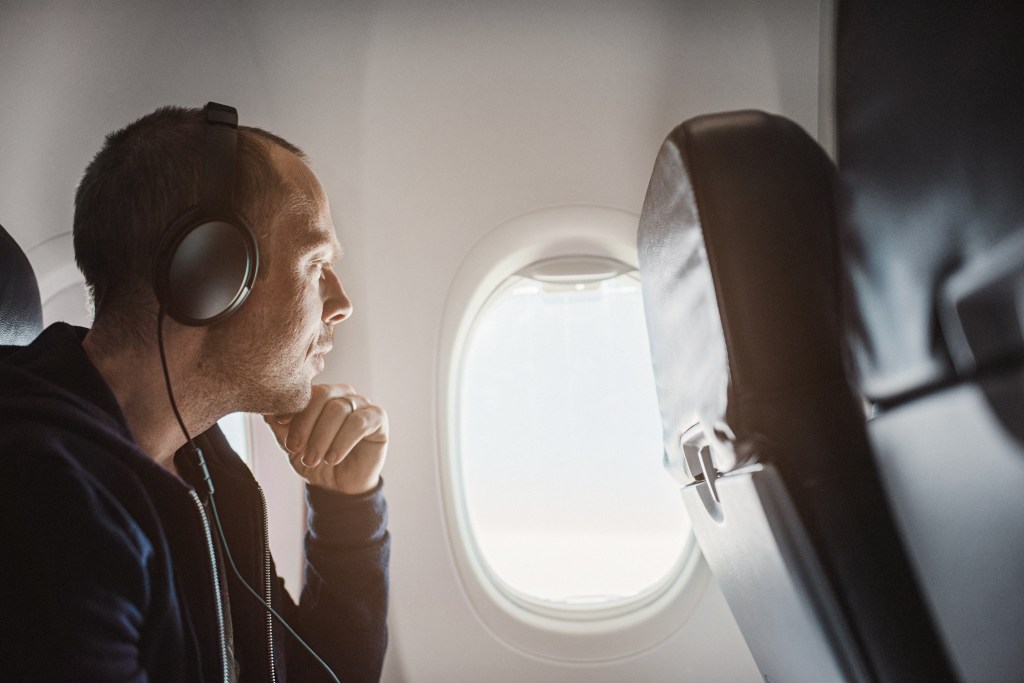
pixel 208 268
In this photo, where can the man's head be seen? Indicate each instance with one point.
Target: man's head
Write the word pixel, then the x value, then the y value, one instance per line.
pixel 143 177
pixel 147 174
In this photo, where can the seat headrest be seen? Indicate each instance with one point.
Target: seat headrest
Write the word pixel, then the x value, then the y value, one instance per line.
pixel 931 155
pixel 21 313
pixel 739 268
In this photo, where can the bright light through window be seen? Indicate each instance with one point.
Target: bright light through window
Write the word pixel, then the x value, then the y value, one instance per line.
pixel 560 444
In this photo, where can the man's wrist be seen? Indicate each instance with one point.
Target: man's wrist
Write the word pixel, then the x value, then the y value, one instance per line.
pixel 347 518
pixel 356 488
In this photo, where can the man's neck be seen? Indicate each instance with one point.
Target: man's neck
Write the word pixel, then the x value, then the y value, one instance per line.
pixel 136 378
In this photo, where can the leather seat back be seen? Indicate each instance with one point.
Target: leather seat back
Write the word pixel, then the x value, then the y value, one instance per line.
pixel 741 281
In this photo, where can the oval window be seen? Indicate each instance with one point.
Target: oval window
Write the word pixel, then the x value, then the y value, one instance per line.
pixel 560 439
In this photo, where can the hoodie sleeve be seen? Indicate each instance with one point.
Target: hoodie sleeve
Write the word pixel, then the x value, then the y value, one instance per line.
pixel 343 606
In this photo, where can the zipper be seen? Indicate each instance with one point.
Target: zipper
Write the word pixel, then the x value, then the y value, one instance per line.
pixel 267 583
pixel 216 585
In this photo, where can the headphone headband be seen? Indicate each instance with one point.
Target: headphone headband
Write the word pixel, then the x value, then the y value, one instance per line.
pixel 220 157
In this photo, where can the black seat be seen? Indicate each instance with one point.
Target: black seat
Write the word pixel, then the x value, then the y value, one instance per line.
pixel 931 148
pixel 740 274
pixel 21 314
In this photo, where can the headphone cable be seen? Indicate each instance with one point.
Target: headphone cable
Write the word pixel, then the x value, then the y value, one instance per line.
pixel 201 459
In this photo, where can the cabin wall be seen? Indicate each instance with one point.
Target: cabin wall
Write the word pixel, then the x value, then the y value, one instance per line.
pixel 514 110
pixel 430 124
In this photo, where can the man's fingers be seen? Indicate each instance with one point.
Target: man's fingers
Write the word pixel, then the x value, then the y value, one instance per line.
pixel 359 426
pixel 334 416
pixel 338 441
pixel 343 422
pixel 301 425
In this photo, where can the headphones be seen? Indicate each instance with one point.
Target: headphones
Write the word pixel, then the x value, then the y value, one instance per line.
pixel 208 259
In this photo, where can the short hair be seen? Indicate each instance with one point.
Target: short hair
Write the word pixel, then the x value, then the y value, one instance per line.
pixel 145 176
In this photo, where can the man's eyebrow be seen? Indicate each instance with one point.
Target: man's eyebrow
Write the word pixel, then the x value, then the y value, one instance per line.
pixel 336 250
pixel 314 242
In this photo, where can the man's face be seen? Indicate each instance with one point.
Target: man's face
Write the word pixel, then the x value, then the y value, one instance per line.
pixel 270 350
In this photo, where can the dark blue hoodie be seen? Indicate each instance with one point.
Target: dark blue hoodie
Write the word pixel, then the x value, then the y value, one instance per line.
pixel 106 563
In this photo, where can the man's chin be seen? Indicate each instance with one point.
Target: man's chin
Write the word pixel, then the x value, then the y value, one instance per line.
pixel 295 400
pixel 281 399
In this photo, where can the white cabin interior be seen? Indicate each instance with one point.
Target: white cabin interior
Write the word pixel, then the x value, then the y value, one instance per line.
pixel 458 142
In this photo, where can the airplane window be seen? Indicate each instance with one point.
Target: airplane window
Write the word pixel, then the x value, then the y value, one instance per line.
pixel 236 428
pixel 560 439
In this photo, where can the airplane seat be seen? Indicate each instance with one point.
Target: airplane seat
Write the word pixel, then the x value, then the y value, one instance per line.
pixel 931 154
pixel 762 429
pixel 21 313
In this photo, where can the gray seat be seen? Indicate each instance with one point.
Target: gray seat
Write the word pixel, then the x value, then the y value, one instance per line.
pixel 21 314
pixel 739 265
pixel 931 150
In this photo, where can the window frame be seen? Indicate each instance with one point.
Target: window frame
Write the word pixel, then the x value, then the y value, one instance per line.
pixel 552 631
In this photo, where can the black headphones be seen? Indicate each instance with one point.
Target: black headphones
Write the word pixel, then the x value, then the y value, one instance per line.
pixel 208 259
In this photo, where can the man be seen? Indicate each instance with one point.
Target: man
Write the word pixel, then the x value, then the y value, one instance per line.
pixel 120 563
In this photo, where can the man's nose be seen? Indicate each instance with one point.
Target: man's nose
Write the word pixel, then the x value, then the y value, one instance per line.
pixel 337 306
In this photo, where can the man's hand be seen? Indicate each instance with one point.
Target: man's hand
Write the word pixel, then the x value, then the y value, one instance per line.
pixel 338 442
